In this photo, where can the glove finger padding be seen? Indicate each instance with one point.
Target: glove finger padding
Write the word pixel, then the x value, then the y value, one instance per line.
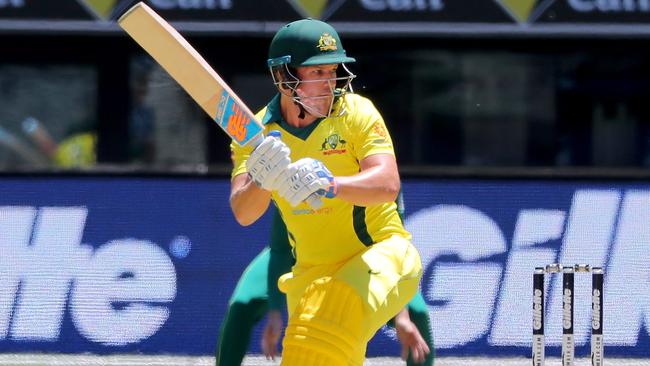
pixel 276 165
pixel 273 179
pixel 303 178
pixel 257 159
pixel 306 190
pixel 268 161
pixel 285 179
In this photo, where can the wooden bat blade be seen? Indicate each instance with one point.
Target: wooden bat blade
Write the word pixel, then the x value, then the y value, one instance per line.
pixel 185 65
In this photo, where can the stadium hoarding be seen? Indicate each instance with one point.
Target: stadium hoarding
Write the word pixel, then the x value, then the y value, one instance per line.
pixel 146 265
pixel 378 17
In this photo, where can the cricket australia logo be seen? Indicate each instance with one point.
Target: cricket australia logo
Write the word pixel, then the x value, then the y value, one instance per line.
pixel 333 144
pixel 327 42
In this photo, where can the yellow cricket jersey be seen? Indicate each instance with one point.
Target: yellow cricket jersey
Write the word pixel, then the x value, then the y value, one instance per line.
pixel 338 229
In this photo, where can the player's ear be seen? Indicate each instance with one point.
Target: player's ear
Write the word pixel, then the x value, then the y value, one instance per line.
pixel 285 77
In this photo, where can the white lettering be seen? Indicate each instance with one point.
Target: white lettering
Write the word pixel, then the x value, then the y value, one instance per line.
pixel 595 308
pixel 619 6
pixel 403 5
pixel 48 266
pixel 627 277
pixel 582 6
pixel 114 287
pixel 590 226
pixel 534 228
pixel 192 4
pixel 451 237
pixel 136 280
pixel 537 310
pixel 567 309
pixel 12 3
pixel 374 5
pixel 16 228
pixel 597 348
pixel 644 5
pixel 469 235
pixel 163 4
pixel 607 5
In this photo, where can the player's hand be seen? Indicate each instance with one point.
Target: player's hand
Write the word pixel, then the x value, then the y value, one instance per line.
pixel 271 334
pixel 411 339
pixel 305 177
pixel 267 162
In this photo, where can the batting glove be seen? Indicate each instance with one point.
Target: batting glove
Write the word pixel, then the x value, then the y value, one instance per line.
pixel 304 178
pixel 268 161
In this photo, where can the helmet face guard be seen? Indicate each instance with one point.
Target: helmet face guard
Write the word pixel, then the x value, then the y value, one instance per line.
pixel 287 82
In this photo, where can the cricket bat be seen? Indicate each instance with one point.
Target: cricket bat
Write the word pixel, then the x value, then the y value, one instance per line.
pixel 185 65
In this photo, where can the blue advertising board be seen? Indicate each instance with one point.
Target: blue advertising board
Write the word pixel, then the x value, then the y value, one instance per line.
pixel 146 265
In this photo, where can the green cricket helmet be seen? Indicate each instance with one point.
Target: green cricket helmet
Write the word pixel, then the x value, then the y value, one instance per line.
pixel 307 42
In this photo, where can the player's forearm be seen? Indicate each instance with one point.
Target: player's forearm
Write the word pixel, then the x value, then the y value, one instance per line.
pixel 378 184
pixel 247 201
pixel 402 317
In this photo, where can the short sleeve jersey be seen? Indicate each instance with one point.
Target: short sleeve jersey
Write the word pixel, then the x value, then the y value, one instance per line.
pixel 338 230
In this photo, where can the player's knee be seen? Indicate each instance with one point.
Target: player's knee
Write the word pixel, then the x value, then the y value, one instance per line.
pixel 326 325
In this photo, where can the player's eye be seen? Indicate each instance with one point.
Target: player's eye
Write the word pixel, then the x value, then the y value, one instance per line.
pixel 324 73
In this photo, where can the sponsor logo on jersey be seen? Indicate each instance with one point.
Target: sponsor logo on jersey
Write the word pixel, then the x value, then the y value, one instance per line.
pixel 334 144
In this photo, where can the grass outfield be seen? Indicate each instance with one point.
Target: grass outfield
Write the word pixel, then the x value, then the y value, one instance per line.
pixel 138 360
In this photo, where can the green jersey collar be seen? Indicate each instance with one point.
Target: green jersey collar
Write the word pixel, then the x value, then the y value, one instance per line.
pixel 272 111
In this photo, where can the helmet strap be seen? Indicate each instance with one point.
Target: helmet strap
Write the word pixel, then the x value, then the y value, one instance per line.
pixel 301 108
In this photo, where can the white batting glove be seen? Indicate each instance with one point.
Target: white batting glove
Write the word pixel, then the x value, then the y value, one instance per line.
pixel 304 177
pixel 267 162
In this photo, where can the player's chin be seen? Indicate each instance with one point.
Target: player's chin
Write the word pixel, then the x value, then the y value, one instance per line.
pixel 319 113
pixel 319 109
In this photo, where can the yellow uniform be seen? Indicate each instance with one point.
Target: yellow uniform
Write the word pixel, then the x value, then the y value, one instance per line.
pixel 340 143
pixel 362 254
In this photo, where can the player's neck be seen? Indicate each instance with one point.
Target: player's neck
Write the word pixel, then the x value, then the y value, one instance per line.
pixel 291 114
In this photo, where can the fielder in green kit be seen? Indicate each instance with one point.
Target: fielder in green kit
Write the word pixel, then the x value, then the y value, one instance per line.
pixel 257 294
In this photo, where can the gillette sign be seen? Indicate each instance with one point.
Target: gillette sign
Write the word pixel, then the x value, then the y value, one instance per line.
pixel 125 264
pixel 148 264
pixel 42 256
pixel 480 241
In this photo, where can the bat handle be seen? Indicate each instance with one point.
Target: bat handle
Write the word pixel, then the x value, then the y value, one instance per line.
pixel 257 140
pixel 314 201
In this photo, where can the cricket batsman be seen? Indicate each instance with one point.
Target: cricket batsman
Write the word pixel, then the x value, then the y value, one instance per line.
pixel 355 265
